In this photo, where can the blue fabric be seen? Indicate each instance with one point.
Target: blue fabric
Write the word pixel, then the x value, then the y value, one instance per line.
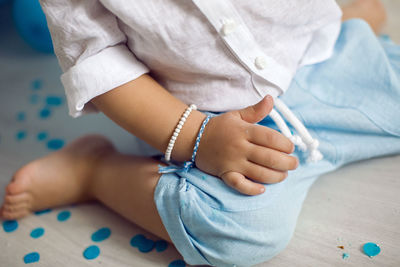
pixel 350 103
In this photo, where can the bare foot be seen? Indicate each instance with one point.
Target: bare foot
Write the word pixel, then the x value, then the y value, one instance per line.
pixel 372 11
pixel 61 178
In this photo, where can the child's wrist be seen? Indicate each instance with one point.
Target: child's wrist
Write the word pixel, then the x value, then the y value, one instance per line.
pixel 183 148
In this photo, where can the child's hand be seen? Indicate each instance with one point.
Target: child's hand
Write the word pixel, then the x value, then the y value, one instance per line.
pixel 244 154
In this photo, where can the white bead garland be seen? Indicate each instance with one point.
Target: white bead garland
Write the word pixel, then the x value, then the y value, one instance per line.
pixel 177 130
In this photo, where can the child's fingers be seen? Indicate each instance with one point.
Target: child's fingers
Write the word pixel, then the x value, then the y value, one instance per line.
pixel 257 112
pixel 240 183
pixel 271 158
pixel 264 136
pixel 264 175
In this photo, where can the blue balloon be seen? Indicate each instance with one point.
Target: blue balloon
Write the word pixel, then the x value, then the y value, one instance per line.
pixel 32 25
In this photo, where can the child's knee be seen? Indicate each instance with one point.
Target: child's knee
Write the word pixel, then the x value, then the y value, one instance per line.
pixel 254 238
pixel 249 252
pixel 213 225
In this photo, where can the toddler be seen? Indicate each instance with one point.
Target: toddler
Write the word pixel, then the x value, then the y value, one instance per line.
pixel 197 80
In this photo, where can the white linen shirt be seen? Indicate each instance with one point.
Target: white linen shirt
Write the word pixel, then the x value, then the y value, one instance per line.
pixel 218 54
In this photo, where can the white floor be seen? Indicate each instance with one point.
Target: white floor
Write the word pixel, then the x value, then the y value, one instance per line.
pixel 357 204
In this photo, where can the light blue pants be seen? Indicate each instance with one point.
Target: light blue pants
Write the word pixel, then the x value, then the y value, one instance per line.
pixel 350 103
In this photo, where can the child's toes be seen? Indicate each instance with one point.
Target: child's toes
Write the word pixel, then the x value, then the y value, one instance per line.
pixel 20 181
pixel 16 199
pixel 6 214
pixel 11 215
pixel 16 187
pixel 16 207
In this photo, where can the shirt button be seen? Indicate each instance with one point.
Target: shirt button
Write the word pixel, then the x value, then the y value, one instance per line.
pixel 260 63
pixel 229 26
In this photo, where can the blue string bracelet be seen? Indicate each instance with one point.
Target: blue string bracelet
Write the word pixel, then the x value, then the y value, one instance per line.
pixel 199 135
pixel 187 165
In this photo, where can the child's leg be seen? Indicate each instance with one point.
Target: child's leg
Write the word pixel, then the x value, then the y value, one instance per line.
pixel 372 11
pixel 87 169
pixel 126 184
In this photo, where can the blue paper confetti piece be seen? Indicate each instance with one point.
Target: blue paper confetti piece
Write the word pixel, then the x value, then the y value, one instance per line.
pixel 142 243
pixel 44 113
pixel 161 245
pixel 21 116
pixel 20 135
pixel 146 246
pixel 41 136
pixel 101 234
pixel 54 101
pixel 34 99
pixel 10 226
pixel 345 256
pixel 91 252
pixel 55 144
pixel 137 240
pixel 177 263
pixel 40 212
pixel 63 215
pixel 31 257
pixel 38 232
pixel 36 84
pixel 371 249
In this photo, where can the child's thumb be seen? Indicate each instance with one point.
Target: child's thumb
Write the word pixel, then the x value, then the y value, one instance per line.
pixel 257 112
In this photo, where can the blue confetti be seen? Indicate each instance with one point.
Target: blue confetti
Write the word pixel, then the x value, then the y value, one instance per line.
pixel 10 226
pixel 20 135
pixel 55 144
pixel 40 212
pixel 44 113
pixel 161 245
pixel 37 84
pixel 91 252
pixel 41 136
pixel 38 232
pixel 101 234
pixel 31 257
pixel 34 99
pixel 54 101
pixel 21 116
pixel 64 215
pixel 142 243
pixel 371 249
pixel 345 256
pixel 137 240
pixel 147 246
pixel 177 263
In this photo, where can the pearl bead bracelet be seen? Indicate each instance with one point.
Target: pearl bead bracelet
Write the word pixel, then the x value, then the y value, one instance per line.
pixel 177 130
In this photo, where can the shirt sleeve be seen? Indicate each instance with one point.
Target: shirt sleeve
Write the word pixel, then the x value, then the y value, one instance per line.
pixel 91 50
